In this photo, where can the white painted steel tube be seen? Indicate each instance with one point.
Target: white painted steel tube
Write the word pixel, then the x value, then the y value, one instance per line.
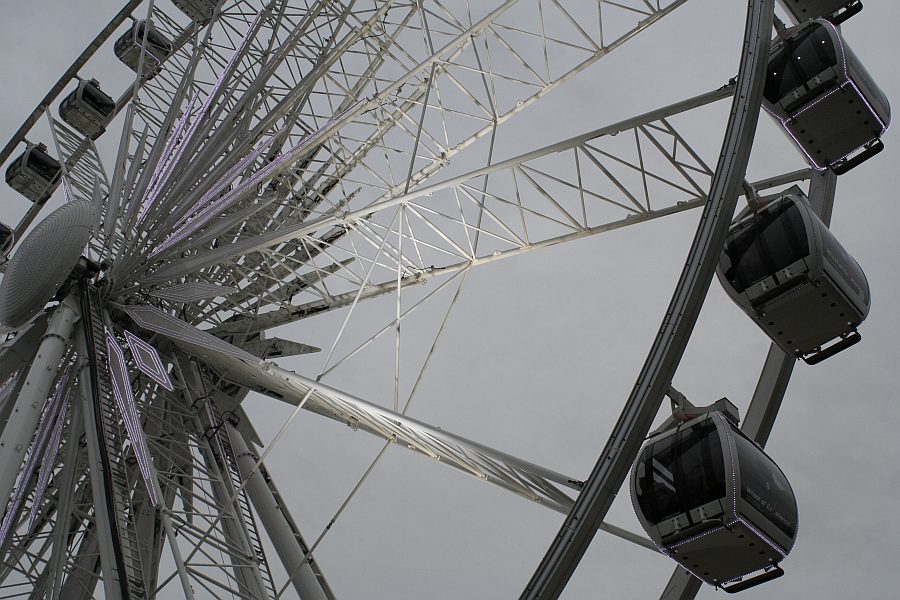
pixel 270 514
pixel 24 417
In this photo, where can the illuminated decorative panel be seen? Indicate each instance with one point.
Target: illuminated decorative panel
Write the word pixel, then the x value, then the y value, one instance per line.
pixel 154 319
pixel 147 360
pixel 121 385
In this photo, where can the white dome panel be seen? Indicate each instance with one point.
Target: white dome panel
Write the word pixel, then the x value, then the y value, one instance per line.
pixel 44 261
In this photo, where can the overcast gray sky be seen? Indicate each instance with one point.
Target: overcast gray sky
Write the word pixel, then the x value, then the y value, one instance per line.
pixel 542 351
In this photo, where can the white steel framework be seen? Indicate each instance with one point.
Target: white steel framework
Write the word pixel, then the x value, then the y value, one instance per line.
pixel 292 160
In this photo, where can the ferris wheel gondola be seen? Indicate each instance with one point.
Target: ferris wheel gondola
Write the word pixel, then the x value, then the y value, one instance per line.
pixel 34 174
pixel 824 98
pixel 142 40
pixel 788 272
pixel 88 109
pixel 836 11
pixel 715 502
pixel 199 11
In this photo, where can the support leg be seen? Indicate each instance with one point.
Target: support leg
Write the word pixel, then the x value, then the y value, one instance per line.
pixel 67 491
pixel 103 521
pixel 23 418
pixel 304 575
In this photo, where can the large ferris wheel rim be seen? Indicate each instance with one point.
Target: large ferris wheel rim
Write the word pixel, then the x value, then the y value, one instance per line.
pixel 727 217
pixel 70 74
pixel 642 405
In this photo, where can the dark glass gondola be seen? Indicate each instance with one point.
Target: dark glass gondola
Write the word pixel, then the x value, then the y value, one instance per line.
pixel 787 271
pixel 34 174
pixel 7 240
pixel 824 98
pixel 713 501
pixel 88 109
pixel 199 11
pixel 157 48
pixel 836 11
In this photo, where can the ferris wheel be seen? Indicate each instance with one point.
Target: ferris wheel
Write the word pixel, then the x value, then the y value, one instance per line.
pixel 277 169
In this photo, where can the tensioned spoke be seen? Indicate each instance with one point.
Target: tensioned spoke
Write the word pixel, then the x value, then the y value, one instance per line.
pixel 521 477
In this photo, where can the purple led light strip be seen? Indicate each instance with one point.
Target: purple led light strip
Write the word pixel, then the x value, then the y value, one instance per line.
pixel 128 412
pixel 47 463
pixel 841 84
pixel 223 181
pixel 762 536
pixel 729 435
pixel 170 164
pixel 154 319
pixel 840 40
pixel 204 216
pixel 816 164
pixel 226 179
pixel 7 387
pixel 172 141
pixel 164 167
pixel 732 451
pixel 183 143
pixel 34 453
pixel 231 62
pixel 155 371
pixel 205 210
pixel 884 126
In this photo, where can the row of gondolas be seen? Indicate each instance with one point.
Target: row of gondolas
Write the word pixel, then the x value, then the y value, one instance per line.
pixel 705 492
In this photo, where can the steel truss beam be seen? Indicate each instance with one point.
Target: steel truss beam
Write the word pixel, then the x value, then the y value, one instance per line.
pixel 266 218
pixel 569 189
